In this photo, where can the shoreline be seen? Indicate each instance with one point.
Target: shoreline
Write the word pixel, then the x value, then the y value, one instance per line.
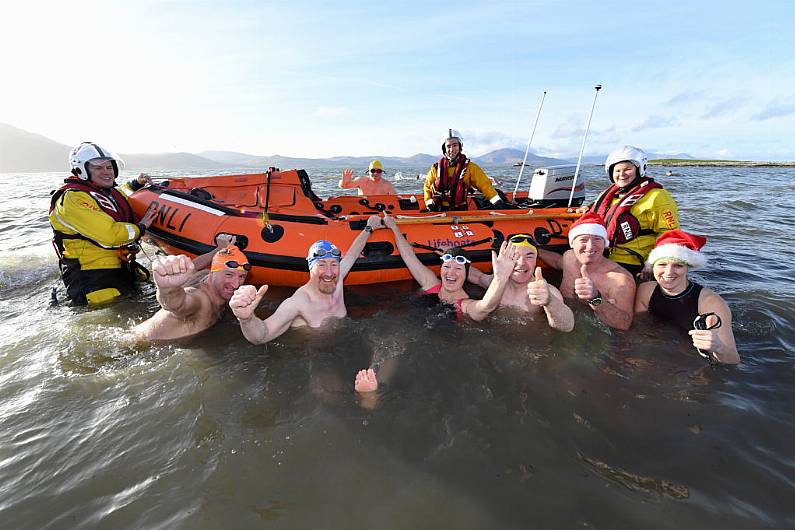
pixel 717 163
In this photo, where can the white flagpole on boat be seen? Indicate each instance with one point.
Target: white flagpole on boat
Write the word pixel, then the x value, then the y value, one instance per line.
pixel 529 141
pixel 582 147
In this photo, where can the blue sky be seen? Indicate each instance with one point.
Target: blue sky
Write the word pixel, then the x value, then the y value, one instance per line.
pixel 320 79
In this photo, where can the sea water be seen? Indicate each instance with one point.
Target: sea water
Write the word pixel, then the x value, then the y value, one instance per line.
pixel 497 424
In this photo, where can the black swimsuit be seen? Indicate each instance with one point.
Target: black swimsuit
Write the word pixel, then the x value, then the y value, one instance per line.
pixel 680 310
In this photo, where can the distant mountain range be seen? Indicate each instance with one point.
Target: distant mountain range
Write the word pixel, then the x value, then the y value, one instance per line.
pixel 23 151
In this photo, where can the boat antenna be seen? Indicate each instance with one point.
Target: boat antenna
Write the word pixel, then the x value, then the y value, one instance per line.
pixel 529 141
pixel 582 147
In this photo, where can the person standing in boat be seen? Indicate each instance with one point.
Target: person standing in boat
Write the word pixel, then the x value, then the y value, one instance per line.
pixel 449 179
pixel 606 287
pixel 96 233
pixel 527 290
pixel 372 184
pixel 674 298
pixel 317 300
pixel 636 209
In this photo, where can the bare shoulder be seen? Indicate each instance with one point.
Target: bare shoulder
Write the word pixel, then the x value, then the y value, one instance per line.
pixel 645 289
pixel 570 261
pixel 619 274
pixel 643 296
pixel 709 300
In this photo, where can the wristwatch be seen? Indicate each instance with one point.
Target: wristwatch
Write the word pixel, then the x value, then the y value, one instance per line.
pixel 368 229
pixel 596 300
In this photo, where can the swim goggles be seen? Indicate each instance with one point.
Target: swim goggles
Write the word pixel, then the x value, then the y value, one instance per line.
pixel 232 264
pixel 522 238
pixel 321 253
pixel 376 171
pixel 461 260
pixel 700 322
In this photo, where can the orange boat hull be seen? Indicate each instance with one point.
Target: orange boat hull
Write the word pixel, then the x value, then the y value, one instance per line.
pixel 193 211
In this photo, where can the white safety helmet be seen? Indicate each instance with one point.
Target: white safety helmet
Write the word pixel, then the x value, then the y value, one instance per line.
pixel 452 134
pixel 627 154
pixel 88 152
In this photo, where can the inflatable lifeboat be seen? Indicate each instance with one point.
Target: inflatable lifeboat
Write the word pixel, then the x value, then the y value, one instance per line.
pixel 276 217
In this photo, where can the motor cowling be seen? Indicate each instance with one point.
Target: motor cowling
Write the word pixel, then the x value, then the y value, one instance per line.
pixel 550 187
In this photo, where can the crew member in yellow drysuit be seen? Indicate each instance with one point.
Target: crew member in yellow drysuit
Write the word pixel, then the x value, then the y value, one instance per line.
pixel 95 229
pixel 449 179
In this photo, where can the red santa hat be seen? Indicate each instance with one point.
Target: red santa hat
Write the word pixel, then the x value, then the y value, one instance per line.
pixel 681 246
pixel 589 224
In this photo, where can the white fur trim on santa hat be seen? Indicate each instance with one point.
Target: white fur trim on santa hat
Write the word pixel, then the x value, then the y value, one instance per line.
pixel 693 258
pixel 589 229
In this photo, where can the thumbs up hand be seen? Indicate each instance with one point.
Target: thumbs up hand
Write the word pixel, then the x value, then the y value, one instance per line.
pixel 538 289
pixel 245 300
pixel 583 286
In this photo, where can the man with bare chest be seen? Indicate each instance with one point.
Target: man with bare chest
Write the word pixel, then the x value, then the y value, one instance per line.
pixel 312 303
pixel 527 290
pixel 606 287
pixel 188 310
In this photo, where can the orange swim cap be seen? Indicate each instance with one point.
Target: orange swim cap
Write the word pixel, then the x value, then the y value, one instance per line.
pixel 230 257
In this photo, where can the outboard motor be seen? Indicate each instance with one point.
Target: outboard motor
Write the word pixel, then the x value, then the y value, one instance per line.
pixel 551 187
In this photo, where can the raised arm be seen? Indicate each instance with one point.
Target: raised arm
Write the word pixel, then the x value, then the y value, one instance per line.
pixel 720 341
pixel 347 180
pixel 502 264
pixel 374 222
pixel 171 273
pixel 258 331
pixel 478 277
pixel 422 274
pixel 222 241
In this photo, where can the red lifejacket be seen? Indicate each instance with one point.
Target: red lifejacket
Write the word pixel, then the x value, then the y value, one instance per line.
pixel 451 188
pixel 111 201
pixel 622 226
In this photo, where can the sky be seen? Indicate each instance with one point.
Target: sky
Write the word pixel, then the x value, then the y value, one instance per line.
pixel 321 79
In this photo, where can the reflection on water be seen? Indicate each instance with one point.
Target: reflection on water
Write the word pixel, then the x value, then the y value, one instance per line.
pixel 501 424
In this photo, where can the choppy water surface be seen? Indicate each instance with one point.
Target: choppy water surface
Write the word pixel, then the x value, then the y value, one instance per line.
pixel 500 424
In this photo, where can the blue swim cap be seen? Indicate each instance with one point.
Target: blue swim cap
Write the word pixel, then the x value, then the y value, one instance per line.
pixel 322 250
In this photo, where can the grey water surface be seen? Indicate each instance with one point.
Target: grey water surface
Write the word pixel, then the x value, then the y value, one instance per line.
pixel 499 424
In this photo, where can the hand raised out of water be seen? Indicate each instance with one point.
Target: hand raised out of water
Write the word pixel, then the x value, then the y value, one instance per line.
pixel 366 381
pixel 144 179
pixel 245 300
pixel 503 263
pixel 347 174
pixel 538 289
pixel 224 240
pixel 172 271
pixel 375 222
pixel 707 340
pixel 583 286
pixel 149 215
pixel 389 221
